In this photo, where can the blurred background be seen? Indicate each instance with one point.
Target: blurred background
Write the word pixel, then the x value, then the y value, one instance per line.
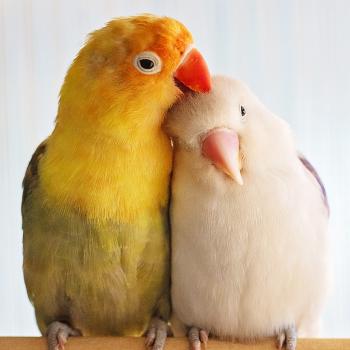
pixel 294 54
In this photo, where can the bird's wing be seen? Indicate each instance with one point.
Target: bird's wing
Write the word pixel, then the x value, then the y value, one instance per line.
pixel 309 167
pixel 31 176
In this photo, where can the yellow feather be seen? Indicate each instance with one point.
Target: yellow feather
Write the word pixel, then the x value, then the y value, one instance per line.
pixel 108 156
pixel 96 249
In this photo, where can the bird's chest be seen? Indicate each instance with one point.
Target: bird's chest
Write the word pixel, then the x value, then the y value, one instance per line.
pixel 253 247
pixel 106 182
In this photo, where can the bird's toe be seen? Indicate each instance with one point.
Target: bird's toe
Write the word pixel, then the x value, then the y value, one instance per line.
pixel 197 337
pixel 287 338
pixel 58 334
pixel 157 334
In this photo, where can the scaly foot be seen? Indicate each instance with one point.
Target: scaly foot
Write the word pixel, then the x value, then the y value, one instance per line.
pixel 197 336
pixel 157 334
pixel 287 338
pixel 57 335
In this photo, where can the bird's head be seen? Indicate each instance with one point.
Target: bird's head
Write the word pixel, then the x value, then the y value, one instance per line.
pixel 229 130
pixel 133 69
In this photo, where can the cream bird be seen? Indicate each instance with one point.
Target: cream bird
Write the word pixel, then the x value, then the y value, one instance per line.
pixel 249 222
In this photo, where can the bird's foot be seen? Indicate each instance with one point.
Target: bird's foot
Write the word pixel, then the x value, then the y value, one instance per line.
pixel 157 334
pixel 196 337
pixel 287 338
pixel 58 333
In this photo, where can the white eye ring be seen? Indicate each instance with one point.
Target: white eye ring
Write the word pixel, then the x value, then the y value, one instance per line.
pixel 148 62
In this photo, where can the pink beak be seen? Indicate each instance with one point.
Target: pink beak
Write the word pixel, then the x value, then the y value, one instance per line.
pixel 221 146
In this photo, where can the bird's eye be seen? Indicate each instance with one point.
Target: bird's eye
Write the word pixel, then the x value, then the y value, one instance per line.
pixel 243 112
pixel 148 62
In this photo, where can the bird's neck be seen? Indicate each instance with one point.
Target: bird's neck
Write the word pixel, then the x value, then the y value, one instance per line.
pixel 109 173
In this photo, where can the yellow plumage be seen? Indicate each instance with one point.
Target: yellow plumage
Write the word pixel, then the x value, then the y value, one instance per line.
pixel 96 191
pixel 98 100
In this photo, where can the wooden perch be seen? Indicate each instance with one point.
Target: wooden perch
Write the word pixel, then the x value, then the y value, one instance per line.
pixel 115 343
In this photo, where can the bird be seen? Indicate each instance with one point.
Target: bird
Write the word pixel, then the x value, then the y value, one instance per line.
pixel 96 191
pixel 249 222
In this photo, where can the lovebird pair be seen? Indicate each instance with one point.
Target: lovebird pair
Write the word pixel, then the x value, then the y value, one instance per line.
pixel 248 215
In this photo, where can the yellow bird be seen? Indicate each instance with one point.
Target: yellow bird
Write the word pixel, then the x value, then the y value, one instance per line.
pixel 96 191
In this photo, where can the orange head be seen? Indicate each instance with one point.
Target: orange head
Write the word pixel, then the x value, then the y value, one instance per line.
pixel 130 68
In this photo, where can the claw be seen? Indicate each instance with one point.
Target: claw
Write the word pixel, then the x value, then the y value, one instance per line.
pixel 280 340
pixel 197 337
pixel 151 336
pixel 57 335
pixel 287 338
pixel 156 334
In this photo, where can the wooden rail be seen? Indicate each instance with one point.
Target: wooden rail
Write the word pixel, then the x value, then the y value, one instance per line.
pixel 115 343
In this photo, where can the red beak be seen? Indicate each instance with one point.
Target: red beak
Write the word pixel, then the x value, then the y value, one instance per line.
pixel 193 72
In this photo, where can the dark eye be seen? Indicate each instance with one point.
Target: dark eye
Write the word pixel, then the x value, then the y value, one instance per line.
pixel 148 62
pixel 145 63
pixel 243 112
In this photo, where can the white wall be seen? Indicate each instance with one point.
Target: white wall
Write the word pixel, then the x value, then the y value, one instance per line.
pixel 294 54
